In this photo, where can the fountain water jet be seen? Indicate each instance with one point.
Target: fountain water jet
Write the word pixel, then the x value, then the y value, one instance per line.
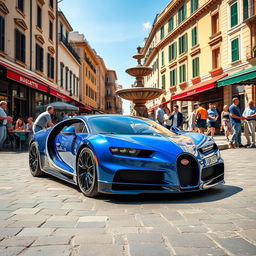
pixel 139 94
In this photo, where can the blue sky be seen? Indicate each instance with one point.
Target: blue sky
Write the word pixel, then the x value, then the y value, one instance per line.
pixel 114 28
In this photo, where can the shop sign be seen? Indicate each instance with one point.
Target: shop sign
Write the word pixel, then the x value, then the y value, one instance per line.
pixel 26 81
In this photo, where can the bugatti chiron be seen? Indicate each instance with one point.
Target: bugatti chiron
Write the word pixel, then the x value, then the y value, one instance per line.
pixel 125 155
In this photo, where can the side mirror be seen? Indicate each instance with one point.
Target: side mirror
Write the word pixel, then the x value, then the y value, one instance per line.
pixel 69 131
pixel 175 129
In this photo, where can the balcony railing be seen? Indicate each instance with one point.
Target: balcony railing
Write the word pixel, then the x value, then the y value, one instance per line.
pixel 64 40
pixel 251 52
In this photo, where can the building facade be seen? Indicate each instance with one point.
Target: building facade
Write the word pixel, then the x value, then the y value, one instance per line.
pixel 68 61
pixel 197 44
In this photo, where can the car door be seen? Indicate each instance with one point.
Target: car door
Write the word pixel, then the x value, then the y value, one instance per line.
pixel 65 142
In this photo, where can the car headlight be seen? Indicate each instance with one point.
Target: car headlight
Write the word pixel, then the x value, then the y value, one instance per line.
pixel 208 148
pixel 130 152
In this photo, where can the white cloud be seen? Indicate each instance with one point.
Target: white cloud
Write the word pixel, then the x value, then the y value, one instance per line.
pixel 147 25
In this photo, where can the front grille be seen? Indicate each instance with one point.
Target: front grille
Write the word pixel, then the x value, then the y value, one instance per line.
pixel 138 176
pixel 135 187
pixel 212 171
pixel 188 174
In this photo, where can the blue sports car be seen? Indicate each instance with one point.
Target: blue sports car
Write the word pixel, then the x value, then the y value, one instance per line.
pixel 125 155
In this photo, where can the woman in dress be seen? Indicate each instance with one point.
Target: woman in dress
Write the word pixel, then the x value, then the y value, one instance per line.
pixel 167 121
pixel 225 121
pixel 19 125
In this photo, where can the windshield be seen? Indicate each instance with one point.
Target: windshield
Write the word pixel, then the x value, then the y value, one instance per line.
pixel 126 125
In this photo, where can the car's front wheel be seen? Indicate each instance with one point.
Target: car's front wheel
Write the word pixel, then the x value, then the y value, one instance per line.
pixel 87 173
pixel 34 164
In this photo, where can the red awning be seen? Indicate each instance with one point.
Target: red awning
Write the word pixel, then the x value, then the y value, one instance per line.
pixel 156 106
pixel 82 107
pixel 59 95
pixel 190 94
pixel 26 81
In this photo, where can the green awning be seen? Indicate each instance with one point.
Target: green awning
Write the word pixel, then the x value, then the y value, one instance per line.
pixel 243 77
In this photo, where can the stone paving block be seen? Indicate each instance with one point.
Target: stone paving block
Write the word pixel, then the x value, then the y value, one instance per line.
pixel 10 251
pixel 192 229
pixel 138 249
pixel 17 241
pixel 26 211
pixel 36 232
pixel 59 224
pixel 77 206
pixel 53 212
pixel 100 250
pixel 236 245
pixel 26 224
pixel 5 232
pixel 81 213
pixel 196 240
pixel 249 234
pixel 246 224
pixel 222 227
pixel 91 224
pixel 79 231
pixel 123 230
pixel 93 219
pixel 60 250
pixel 184 251
pixel 92 239
pixel 52 240
pixel 145 238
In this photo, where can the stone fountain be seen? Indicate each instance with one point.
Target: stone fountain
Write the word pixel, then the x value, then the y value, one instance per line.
pixel 139 94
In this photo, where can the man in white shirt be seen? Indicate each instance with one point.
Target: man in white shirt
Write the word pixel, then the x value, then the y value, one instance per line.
pixel 4 119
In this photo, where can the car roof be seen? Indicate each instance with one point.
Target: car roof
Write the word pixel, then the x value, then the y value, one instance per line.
pixel 87 117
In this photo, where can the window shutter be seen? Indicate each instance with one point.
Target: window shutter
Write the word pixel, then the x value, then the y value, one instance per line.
pixel 245 9
pixel 185 42
pixel 235 50
pixel 174 50
pixel 234 15
pixel 42 59
pixel 170 52
pixel 23 48
pixel 52 67
pixel 48 64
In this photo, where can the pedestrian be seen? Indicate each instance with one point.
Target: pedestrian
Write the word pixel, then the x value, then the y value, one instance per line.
pixel 176 117
pixel 4 119
pixel 160 115
pixel 29 124
pixel 167 121
pixel 235 120
pixel 249 124
pixel 44 120
pixel 191 121
pixel 200 117
pixel 225 122
pixel 212 117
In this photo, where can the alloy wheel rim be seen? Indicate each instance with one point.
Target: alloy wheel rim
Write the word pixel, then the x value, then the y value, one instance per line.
pixel 86 171
pixel 33 159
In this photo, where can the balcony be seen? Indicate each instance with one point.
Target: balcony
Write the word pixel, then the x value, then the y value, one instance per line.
pixel 251 54
pixel 64 40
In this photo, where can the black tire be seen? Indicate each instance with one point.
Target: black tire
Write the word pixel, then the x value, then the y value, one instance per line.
pixel 87 173
pixel 34 164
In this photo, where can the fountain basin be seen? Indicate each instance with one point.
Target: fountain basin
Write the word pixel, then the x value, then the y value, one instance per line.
pixel 139 94
pixel 139 71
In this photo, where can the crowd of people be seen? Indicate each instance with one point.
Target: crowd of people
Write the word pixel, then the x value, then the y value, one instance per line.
pixel 200 120
pixel 205 121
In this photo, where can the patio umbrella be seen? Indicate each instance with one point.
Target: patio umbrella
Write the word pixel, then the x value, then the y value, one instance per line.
pixel 58 106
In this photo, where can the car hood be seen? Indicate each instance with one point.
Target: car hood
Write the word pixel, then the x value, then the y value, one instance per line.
pixel 158 142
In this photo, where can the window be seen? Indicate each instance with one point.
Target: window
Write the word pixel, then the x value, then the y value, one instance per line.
pixel 235 50
pixel 39 58
pixel 170 24
pixel 182 14
pixel 172 51
pixel 233 15
pixel 163 81
pixel 77 86
pixel 195 67
pixel 193 5
pixel 51 3
pixel 20 5
pixel 245 9
pixel 50 72
pixel 39 17
pixel 66 79
pixel 215 23
pixel 20 46
pixel 216 58
pixel 162 33
pixel 50 30
pixel 183 43
pixel 61 74
pixel 162 57
pixel 194 36
pixel 2 33
pixel 182 73
pixel 74 84
pixel 173 77
pixel 70 80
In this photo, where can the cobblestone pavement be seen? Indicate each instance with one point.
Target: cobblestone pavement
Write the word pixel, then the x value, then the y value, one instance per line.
pixel 44 216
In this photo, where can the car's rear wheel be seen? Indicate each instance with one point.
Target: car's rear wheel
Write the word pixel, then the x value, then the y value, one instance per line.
pixel 87 173
pixel 34 164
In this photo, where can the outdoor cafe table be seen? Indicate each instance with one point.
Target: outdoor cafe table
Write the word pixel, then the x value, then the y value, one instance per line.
pixel 19 133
